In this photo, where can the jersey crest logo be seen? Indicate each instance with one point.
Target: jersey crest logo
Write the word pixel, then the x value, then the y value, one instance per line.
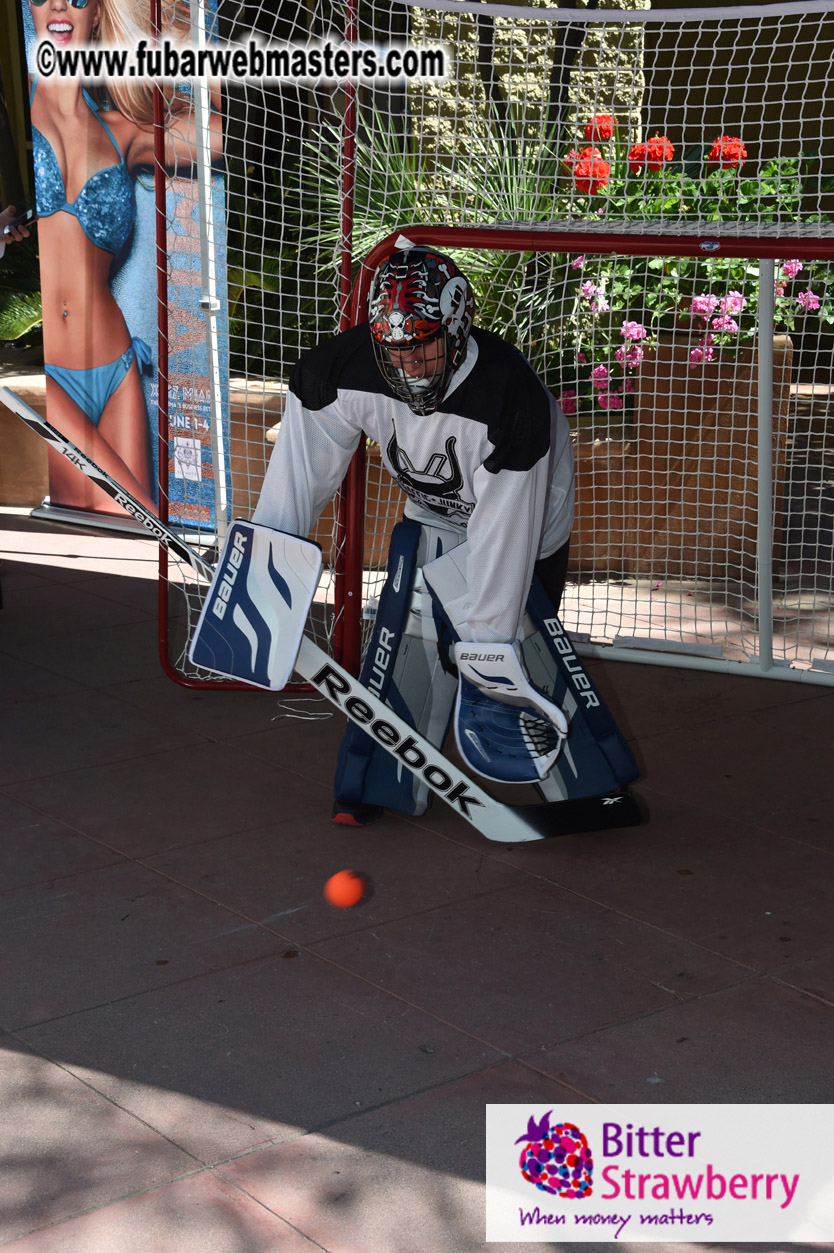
pixel 441 476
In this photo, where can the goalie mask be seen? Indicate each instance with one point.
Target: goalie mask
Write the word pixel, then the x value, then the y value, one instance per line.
pixel 420 309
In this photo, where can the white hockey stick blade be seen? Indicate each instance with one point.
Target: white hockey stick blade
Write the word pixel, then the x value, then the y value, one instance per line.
pixel 254 614
pixel 505 729
pixel 511 824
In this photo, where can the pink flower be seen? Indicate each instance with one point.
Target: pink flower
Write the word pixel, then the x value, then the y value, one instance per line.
pixel 790 269
pixel 628 386
pixel 600 375
pixel 729 326
pixel 581 358
pixel 808 301
pixel 733 302
pixel 599 305
pixel 577 263
pixel 779 288
pixel 568 401
pixel 630 356
pixel 701 353
pixel 633 330
pixel 588 289
pixel 610 400
pixel 703 306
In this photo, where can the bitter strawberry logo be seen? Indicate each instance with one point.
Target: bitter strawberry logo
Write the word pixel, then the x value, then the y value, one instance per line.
pixel 556 1158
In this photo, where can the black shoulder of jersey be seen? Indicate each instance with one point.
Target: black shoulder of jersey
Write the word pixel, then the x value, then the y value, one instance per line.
pixel 345 360
pixel 508 397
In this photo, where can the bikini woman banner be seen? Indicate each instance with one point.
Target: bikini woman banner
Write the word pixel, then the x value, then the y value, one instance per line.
pixel 93 155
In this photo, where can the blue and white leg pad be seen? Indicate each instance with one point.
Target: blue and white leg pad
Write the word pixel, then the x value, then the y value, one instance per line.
pixel 402 667
pixel 254 614
pixel 596 758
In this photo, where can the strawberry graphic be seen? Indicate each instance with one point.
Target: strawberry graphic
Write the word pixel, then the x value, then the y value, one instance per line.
pixel 556 1158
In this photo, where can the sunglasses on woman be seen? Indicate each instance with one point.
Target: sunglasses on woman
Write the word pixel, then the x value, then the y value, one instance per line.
pixel 76 4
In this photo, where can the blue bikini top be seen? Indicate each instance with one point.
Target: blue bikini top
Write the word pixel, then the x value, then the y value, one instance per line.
pixel 106 205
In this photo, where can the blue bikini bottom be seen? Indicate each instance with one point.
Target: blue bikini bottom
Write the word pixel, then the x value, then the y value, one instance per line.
pixel 91 389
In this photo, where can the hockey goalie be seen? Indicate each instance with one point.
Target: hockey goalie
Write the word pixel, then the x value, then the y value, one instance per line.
pixel 467 622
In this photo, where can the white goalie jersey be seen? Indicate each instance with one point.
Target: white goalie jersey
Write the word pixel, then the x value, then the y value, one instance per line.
pixel 494 460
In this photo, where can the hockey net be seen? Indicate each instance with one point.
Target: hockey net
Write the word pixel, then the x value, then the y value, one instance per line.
pixel 643 201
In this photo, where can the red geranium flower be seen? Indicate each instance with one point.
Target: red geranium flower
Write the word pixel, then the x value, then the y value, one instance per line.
pixel 728 152
pixel 637 154
pixel 600 127
pixel 653 154
pixel 590 172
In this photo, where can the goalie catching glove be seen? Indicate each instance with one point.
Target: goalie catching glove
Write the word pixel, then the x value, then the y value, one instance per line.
pixel 505 729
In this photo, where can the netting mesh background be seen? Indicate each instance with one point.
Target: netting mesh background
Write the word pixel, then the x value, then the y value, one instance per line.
pixel 629 123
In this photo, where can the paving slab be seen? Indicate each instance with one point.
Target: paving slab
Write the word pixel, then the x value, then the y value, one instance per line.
pixel 275 875
pixel 741 773
pixel 69 551
pixel 323 737
pixel 404 1179
pixel 657 699
pixel 809 822
pixel 53 735
pixel 119 930
pixel 138 591
pixel 259 1052
pixel 814 976
pixel 212 714
pixel 26 680
pixel 757 1042
pixel 38 624
pixel 811 718
pixel 37 849
pixel 532 964
pixel 17 577
pixel 99 655
pixel 698 874
pixel 164 799
pixel 67 1148
pixel 201 1214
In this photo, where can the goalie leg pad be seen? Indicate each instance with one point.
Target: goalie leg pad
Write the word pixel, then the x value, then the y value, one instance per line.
pixel 401 667
pixel 596 757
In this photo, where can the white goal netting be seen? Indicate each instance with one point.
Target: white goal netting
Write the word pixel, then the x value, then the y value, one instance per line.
pixel 667 179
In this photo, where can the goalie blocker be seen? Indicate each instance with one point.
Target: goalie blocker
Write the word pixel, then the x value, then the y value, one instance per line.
pixel 253 618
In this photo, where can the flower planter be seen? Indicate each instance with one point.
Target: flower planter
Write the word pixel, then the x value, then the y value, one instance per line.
pixel 680 497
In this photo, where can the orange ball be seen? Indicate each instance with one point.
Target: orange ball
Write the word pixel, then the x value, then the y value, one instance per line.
pixel 345 889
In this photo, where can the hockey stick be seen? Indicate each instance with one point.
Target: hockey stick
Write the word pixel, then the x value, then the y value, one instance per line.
pixel 507 823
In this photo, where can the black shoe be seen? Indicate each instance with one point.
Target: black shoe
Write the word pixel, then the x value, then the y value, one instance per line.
pixel 354 813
